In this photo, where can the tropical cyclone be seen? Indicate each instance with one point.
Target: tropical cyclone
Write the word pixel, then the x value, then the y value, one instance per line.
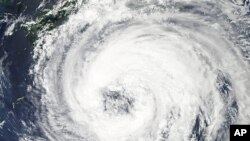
pixel 142 71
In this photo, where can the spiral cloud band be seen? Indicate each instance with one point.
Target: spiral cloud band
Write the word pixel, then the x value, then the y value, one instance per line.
pixel 142 71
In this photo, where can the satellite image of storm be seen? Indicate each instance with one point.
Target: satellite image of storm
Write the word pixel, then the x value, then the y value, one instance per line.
pixel 124 70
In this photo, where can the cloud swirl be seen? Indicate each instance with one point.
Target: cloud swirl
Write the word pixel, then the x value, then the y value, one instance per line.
pixel 142 71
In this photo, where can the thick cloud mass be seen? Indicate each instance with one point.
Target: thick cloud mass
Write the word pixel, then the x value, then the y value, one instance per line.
pixel 143 71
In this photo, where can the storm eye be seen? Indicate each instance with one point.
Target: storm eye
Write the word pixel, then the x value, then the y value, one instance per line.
pixel 117 102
